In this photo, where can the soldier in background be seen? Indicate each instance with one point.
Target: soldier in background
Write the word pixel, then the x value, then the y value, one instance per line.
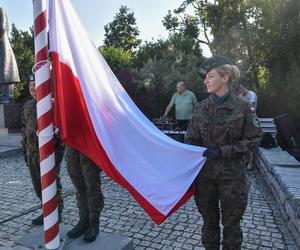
pixel 250 97
pixel 85 176
pixel 225 125
pixel 31 149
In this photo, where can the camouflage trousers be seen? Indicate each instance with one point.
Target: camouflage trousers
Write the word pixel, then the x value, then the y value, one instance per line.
pixel 213 187
pixel 85 176
pixel 33 164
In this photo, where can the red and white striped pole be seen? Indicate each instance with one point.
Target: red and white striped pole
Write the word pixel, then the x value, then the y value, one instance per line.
pixel 45 126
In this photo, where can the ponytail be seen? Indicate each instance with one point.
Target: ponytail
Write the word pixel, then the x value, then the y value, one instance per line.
pixel 232 71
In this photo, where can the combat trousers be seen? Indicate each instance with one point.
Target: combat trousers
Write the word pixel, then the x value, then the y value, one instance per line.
pixel 35 173
pixel 85 176
pixel 215 186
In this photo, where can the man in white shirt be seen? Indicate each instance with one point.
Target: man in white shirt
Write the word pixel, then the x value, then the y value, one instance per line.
pixel 248 96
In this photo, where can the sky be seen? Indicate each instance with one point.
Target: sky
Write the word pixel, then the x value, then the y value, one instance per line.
pixel 94 14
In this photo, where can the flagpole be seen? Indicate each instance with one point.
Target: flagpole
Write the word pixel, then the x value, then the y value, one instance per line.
pixel 45 126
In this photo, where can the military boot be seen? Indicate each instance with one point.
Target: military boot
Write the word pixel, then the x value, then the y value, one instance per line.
pixel 81 227
pixel 38 220
pixel 92 232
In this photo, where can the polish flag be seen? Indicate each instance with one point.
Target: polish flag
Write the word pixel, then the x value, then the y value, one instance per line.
pixel 96 116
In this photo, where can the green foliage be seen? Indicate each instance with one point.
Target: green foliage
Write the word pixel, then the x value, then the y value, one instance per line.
pixel 122 32
pixel 23 46
pixel 283 92
pixel 153 50
pixel 159 75
pixel 184 34
pixel 262 37
pixel 118 59
pixel 163 63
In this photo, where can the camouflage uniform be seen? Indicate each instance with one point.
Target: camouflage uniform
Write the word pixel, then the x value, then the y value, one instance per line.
pixel 231 127
pixel 85 176
pixel 31 150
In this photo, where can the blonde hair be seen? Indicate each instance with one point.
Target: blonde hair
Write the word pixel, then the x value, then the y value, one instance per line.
pixel 232 71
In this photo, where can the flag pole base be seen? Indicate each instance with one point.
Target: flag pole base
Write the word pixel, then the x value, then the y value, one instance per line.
pixel 105 241
pixel 35 238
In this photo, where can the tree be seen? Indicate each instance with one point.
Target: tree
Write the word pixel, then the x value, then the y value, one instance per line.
pixel 282 93
pixel 22 43
pixel 184 33
pixel 150 50
pixel 122 32
pixel 226 27
pixel 118 59
pixel 262 37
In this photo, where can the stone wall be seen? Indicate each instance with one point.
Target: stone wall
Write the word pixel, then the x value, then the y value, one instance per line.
pixel 281 171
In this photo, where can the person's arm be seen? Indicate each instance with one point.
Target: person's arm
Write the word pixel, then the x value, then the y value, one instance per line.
pixel 251 137
pixel 193 135
pixel 169 107
pixel 194 100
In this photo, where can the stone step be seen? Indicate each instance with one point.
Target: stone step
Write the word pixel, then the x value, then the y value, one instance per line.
pixel 278 157
pixel 10 140
pixel 3 131
pixel 104 241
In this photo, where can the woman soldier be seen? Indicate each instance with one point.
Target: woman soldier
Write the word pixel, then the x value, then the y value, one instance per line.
pixel 224 125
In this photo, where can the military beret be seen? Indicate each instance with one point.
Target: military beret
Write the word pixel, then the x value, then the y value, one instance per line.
pixel 211 63
pixel 30 77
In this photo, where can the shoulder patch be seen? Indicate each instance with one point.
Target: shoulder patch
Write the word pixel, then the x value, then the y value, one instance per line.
pixel 256 122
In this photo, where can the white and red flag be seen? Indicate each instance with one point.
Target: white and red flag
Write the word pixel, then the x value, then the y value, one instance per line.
pixel 96 116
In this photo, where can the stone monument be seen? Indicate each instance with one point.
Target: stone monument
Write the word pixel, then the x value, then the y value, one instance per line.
pixel 9 73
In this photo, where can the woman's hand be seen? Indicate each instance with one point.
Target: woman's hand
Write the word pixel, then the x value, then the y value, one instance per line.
pixel 212 153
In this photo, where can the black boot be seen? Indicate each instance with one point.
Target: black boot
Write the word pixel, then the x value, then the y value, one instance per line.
pixel 92 232
pixel 38 220
pixel 81 227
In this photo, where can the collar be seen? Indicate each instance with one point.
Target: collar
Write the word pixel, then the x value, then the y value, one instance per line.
pixel 227 104
pixel 184 93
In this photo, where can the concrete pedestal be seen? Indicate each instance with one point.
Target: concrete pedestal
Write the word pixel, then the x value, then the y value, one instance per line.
pixel 10 117
pixel 2 121
pixel 104 241
pixel 10 125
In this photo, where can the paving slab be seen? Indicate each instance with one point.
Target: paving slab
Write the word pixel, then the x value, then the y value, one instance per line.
pixel 104 241
pixel 14 248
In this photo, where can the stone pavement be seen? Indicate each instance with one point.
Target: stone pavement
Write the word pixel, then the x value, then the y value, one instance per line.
pixel 263 225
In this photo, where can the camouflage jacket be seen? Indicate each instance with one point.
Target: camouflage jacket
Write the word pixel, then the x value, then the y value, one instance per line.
pixel 230 126
pixel 29 136
pixel 29 128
